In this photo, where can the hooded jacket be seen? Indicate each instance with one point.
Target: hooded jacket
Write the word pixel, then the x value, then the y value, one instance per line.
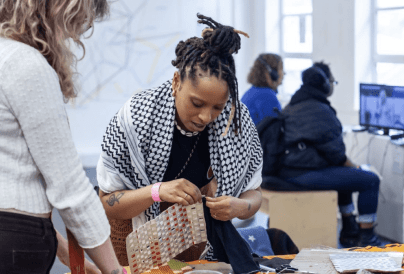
pixel 312 132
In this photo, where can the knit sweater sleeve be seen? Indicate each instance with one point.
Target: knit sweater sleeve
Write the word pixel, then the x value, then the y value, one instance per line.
pixel 33 95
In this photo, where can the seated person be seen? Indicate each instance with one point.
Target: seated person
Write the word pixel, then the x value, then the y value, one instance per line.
pixel 265 76
pixel 316 157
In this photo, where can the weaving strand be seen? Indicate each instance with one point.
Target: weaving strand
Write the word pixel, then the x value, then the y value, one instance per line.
pixel 158 241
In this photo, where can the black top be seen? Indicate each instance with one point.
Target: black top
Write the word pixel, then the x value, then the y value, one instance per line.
pixel 311 119
pixel 197 168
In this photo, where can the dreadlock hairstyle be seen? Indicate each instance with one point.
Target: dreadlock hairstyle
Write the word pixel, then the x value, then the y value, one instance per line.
pixel 212 54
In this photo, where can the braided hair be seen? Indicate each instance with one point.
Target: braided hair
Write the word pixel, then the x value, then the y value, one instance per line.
pixel 212 54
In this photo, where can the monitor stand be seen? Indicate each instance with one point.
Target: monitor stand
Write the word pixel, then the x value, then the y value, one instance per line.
pixel 359 128
pixel 394 134
pixel 378 131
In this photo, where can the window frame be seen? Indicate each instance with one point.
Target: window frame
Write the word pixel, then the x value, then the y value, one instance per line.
pixel 376 57
pixel 284 54
pixel 284 96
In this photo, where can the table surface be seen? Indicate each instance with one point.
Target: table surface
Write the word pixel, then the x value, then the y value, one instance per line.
pixel 204 262
pixel 318 261
pixel 322 264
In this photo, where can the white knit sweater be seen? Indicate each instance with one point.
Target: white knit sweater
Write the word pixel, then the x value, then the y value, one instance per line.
pixel 39 164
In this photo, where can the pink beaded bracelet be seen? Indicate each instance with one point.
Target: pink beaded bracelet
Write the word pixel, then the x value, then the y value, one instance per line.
pixel 155 192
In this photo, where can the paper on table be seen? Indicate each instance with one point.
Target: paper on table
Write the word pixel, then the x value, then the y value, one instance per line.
pixel 373 261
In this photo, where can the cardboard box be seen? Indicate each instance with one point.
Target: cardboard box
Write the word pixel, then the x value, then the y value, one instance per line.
pixel 309 217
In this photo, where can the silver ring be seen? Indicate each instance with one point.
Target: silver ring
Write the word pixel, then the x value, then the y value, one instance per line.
pixel 186 195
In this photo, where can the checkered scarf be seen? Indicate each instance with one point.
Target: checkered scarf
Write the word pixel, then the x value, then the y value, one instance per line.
pixel 137 145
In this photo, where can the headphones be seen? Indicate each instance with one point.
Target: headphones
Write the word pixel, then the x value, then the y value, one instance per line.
pixel 326 84
pixel 273 73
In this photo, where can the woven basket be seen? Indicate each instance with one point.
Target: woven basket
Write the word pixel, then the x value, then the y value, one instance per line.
pixel 120 229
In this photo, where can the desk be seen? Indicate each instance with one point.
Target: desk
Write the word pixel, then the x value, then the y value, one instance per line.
pixel 321 267
pixel 222 266
pixel 318 261
pixel 388 159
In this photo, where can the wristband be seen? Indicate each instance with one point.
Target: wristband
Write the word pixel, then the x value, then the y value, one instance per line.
pixel 155 192
pixel 124 271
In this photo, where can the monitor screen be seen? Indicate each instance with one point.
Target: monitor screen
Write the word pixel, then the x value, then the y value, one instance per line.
pixel 381 106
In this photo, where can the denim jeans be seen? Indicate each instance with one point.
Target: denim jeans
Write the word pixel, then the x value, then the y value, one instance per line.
pixel 345 180
pixel 27 244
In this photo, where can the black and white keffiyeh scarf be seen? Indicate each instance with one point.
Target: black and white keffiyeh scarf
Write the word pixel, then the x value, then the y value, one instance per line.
pixel 137 145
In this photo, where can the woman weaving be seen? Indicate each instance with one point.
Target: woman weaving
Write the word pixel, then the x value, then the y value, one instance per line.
pixel 168 143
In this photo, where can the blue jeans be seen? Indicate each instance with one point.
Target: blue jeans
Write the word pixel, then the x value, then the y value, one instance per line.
pixel 27 244
pixel 345 180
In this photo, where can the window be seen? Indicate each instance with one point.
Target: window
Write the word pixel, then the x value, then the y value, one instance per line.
pixel 296 43
pixel 388 42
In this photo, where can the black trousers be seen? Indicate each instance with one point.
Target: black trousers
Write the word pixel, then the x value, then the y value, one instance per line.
pixel 27 244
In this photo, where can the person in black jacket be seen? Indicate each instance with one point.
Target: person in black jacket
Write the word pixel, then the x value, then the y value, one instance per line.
pixel 315 158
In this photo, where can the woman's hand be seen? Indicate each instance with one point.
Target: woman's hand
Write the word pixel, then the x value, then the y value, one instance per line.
pixel 225 208
pixel 180 191
pixel 63 256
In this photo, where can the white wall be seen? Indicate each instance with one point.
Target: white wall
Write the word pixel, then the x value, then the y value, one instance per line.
pixel 341 38
pixel 133 50
pixel 334 43
pixel 363 51
pixel 250 17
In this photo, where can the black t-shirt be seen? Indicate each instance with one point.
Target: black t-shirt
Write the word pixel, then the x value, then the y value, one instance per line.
pixel 198 166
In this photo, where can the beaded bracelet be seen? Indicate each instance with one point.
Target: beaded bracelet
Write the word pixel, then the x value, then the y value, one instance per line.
pixel 155 192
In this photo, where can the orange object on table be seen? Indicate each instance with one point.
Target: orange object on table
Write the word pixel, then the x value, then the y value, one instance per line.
pixel 76 255
pixel 386 248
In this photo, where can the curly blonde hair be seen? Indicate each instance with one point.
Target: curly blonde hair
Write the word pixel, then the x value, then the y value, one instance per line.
pixel 47 25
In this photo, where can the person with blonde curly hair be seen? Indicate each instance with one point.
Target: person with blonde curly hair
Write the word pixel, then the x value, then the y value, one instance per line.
pixel 39 165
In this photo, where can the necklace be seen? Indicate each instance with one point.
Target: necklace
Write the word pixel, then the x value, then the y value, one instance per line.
pixel 183 132
pixel 189 158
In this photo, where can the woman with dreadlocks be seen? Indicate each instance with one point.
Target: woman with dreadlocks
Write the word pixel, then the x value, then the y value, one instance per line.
pixel 168 143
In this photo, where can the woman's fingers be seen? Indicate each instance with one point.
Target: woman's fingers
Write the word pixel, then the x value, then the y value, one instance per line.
pixel 192 191
pixel 189 199
pixel 182 201
pixel 180 191
pixel 216 215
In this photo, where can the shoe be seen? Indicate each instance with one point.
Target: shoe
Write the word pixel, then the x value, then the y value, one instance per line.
pixel 367 237
pixel 349 235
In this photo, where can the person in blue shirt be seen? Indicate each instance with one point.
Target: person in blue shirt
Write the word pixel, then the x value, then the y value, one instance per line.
pixel 265 76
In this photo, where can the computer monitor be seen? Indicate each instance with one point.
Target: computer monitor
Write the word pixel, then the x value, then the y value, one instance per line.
pixel 381 106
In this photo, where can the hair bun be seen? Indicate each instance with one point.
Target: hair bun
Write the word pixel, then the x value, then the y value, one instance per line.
pixel 218 38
